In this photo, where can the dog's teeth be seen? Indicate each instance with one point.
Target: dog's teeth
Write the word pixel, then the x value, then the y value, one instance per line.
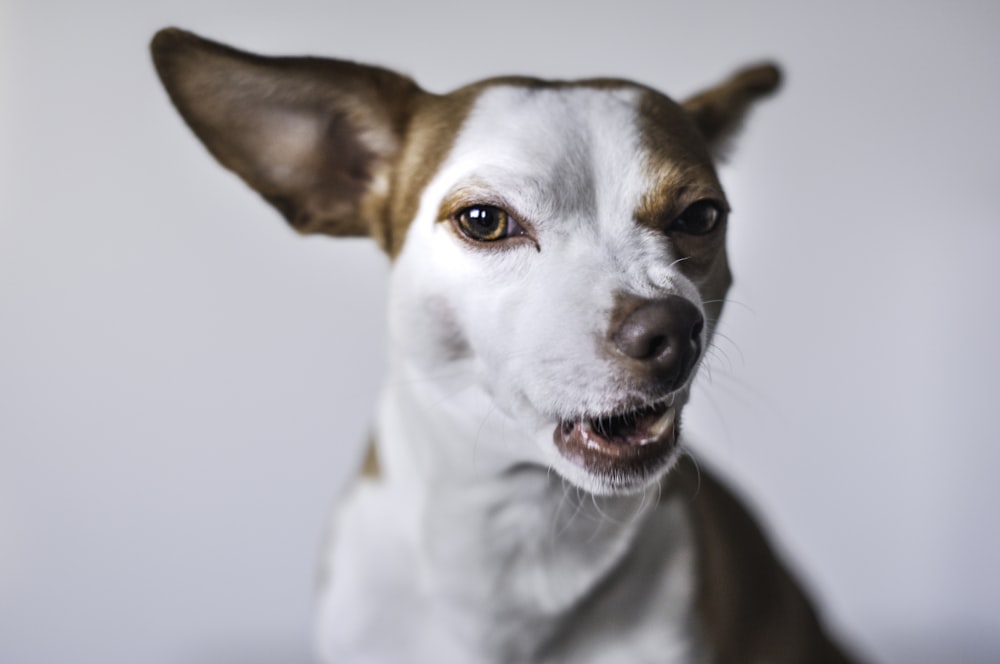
pixel 588 439
pixel 660 426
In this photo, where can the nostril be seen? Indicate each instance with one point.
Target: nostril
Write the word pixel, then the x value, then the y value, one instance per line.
pixel 641 340
pixel 658 345
pixel 646 333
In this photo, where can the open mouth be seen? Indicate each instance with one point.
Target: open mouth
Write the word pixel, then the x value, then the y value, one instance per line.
pixel 635 442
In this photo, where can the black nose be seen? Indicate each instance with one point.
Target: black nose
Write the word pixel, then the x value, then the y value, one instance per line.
pixel 664 336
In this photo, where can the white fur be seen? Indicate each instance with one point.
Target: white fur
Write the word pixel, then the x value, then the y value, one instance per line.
pixel 467 550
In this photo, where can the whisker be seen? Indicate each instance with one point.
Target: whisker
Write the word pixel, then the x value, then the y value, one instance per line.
pixel 736 346
pixel 599 523
pixel 726 300
pixel 678 261
pixel 576 510
pixel 697 470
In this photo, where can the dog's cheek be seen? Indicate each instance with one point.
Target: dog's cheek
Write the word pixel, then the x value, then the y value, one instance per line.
pixel 543 339
pixel 448 337
pixel 498 334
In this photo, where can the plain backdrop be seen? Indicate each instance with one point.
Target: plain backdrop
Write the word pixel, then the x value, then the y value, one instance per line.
pixel 185 384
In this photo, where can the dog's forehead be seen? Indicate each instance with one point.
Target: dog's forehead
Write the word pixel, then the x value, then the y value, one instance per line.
pixel 604 124
pixel 517 117
pixel 561 140
pixel 555 139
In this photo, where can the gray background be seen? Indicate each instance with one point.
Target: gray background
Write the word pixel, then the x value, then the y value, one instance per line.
pixel 184 383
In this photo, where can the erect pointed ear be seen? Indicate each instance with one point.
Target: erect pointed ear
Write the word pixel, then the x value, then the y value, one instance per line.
pixel 317 138
pixel 718 112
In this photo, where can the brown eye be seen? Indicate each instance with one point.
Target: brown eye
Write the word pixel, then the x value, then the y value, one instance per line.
pixel 700 218
pixel 487 223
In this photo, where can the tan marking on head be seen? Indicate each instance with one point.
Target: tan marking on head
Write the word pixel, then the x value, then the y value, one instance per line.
pixel 677 159
pixel 436 122
pixel 681 172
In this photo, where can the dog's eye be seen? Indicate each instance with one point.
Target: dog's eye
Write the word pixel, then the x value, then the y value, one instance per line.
pixel 699 218
pixel 487 223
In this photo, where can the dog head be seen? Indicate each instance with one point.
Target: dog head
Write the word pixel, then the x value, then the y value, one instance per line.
pixel 565 241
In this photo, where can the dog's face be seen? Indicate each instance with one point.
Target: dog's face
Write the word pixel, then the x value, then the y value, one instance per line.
pixel 563 241
pixel 565 247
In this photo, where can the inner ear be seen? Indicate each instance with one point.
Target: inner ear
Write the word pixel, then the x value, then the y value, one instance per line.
pixel 315 137
pixel 719 111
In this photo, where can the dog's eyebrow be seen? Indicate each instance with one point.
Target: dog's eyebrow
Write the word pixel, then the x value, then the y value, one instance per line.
pixel 671 195
pixel 468 193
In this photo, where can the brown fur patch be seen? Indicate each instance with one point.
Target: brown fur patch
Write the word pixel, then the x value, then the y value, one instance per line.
pixel 431 133
pixel 718 112
pixel 680 164
pixel 751 608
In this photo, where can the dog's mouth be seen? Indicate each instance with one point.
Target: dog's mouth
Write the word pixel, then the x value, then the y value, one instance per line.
pixel 634 443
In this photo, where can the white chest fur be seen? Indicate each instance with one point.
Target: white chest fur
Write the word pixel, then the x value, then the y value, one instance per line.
pixel 512 566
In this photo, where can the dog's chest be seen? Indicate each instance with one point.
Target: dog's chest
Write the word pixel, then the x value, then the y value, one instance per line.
pixel 484 580
pixel 374 608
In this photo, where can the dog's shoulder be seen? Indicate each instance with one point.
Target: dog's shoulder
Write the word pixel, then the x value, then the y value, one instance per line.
pixel 751 606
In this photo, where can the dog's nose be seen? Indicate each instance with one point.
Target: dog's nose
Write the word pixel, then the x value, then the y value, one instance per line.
pixel 664 335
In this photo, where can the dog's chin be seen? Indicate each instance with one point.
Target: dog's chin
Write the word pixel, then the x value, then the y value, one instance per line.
pixel 618 454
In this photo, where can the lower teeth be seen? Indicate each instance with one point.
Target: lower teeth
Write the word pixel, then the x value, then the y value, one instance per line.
pixel 662 424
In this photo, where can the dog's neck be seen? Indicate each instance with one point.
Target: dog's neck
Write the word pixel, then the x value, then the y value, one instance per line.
pixel 511 552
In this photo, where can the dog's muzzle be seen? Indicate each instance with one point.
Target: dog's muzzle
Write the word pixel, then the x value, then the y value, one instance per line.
pixel 656 344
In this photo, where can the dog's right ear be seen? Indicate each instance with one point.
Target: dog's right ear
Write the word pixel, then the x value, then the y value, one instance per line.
pixel 316 138
pixel 719 111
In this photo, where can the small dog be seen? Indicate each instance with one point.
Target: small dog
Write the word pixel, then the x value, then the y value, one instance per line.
pixel 559 265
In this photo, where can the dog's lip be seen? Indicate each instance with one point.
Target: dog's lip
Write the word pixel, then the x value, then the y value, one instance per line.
pixel 614 442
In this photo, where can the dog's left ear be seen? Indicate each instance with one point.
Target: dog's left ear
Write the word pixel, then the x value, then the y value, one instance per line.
pixel 718 112
pixel 317 138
